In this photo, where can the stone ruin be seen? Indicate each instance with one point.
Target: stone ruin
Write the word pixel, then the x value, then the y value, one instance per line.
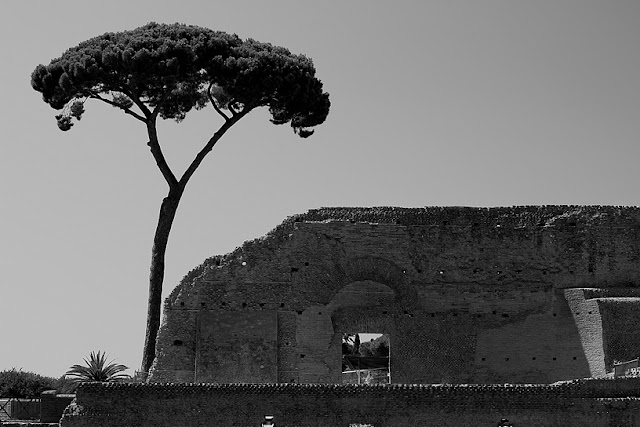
pixel 466 295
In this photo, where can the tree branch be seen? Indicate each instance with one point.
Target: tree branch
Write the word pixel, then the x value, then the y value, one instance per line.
pixel 156 110
pixel 126 110
pixel 139 103
pixel 213 102
pixel 156 151
pixel 232 109
pixel 209 146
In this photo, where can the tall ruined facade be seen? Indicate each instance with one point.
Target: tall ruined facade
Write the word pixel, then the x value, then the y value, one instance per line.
pixel 467 295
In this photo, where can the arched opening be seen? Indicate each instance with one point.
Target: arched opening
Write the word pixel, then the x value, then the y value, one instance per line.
pixel 359 307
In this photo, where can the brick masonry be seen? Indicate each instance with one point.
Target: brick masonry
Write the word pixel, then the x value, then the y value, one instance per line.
pixel 52 405
pixel 467 295
pixel 576 403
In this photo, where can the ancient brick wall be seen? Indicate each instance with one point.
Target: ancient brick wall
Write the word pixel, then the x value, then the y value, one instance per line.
pixel 579 403
pixel 467 295
pixel 52 405
pixel 621 335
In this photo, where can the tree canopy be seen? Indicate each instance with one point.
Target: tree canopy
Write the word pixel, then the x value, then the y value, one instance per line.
pixel 171 69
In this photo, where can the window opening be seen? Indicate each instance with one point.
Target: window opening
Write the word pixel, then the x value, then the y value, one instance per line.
pixel 365 358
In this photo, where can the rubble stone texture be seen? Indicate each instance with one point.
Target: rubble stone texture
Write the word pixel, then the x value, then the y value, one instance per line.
pixel 467 295
pixel 592 402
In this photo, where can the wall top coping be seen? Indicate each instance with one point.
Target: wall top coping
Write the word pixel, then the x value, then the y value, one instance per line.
pixel 518 216
pixel 595 388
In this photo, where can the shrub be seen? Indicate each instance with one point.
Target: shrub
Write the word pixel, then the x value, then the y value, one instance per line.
pixel 18 383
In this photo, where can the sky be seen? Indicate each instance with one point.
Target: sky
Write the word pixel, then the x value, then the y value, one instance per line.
pixel 434 103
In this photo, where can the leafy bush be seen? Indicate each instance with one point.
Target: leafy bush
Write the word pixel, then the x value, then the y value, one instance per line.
pixel 29 385
pixel 18 383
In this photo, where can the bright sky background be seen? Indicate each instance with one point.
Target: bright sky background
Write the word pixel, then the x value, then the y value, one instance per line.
pixel 448 102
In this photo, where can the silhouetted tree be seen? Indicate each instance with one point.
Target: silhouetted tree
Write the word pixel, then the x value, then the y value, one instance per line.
pixel 349 343
pixel 96 368
pixel 165 71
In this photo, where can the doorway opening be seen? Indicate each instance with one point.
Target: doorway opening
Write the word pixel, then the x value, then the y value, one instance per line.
pixel 365 358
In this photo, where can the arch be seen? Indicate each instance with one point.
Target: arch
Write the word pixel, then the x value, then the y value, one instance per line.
pixel 376 269
pixel 384 271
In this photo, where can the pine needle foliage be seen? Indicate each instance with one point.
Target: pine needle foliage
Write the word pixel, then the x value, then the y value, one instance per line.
pixel 172 69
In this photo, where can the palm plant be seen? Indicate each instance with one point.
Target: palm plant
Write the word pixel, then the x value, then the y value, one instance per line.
pixel 97 369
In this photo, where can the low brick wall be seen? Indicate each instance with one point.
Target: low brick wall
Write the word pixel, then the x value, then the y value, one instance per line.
pixel 575 403
pixel 52 405
pixel 28 424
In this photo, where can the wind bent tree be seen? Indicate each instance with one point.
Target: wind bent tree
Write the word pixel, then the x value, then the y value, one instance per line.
pixel 165 71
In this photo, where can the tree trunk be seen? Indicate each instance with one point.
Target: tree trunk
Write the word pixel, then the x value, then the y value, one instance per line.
pixel 156 275
pixel 167 214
